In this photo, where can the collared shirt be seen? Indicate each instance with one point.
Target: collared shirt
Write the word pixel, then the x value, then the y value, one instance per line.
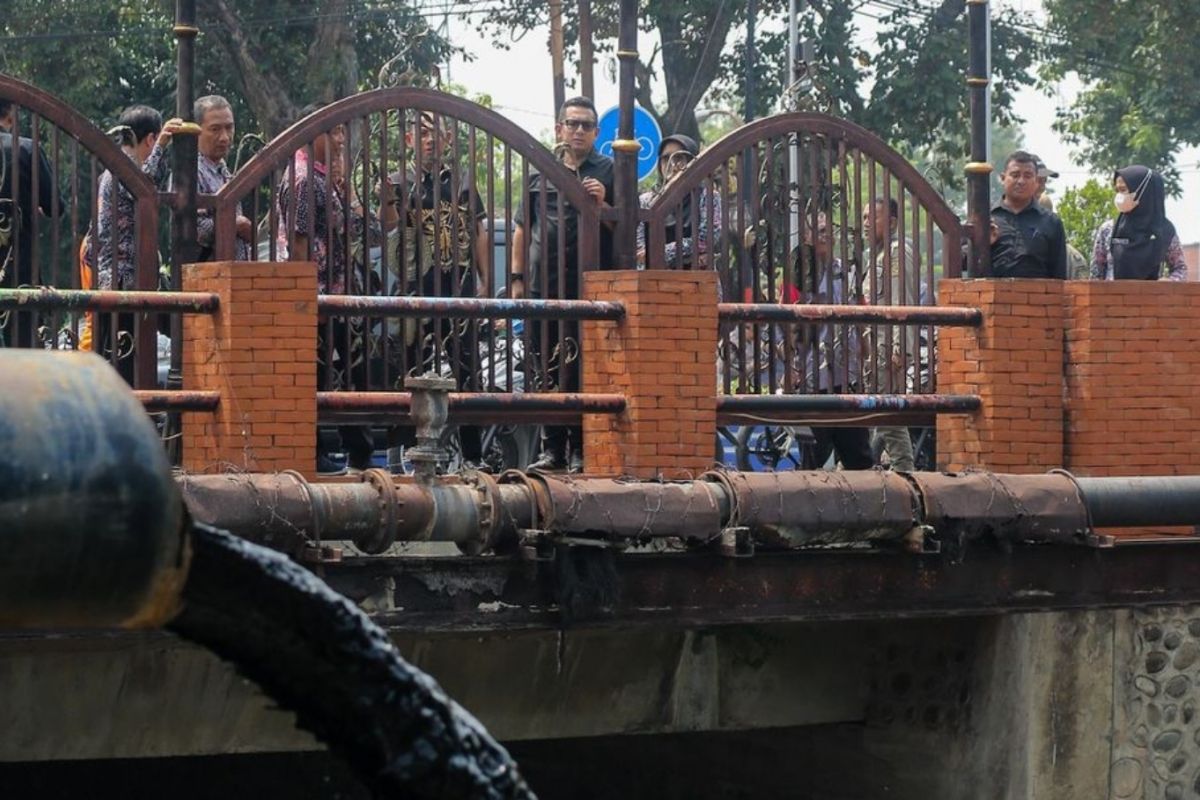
pixel 308 206
pixel 1102 257
pixel 210 177
pixel 438 227
pixel 112 251
pixel 543 234
pixel 1031 243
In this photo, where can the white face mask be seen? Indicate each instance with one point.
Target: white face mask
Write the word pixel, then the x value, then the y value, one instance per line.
pixel 1126 202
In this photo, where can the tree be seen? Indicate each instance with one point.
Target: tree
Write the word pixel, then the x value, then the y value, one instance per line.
pixel 1139 67
pixel 916 95
pixel 269 57
pixel 1083 210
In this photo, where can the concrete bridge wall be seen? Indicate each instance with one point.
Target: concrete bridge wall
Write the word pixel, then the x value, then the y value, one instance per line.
pixel 1083 705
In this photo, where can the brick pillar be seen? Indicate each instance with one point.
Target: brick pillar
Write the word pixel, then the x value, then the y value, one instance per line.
pixel 662 357
pixel 1014 362
pixel 259 351
pixel 1133 378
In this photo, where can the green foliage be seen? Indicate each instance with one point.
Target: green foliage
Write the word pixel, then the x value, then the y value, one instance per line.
pixel 268 57
pixel 1140 67
pixel 1083 210
pixel 911 92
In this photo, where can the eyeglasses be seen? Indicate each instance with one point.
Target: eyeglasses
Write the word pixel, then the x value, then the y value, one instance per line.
pixel 585 125
pixel 680 158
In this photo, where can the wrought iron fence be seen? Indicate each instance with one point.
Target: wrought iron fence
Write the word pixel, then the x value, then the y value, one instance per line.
pixel 54 166
pixel 416 194
pixel 806 208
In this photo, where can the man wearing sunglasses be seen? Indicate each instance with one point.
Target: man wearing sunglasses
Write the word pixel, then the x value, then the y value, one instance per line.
pixel 535 267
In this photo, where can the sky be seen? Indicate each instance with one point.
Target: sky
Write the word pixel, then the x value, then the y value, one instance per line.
pixel 519 82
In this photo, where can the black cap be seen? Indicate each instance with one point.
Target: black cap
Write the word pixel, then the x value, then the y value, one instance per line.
pixel 683 140
pixel 1042 170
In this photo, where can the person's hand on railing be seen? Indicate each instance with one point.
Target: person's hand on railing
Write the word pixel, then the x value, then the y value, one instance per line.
pixel 169 129
pixel 595 189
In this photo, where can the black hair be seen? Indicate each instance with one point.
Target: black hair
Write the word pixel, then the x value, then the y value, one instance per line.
pixel 1021 157
pixel 311 108
pixel 578 102
pixel 5 107
pixel 893 207
pixel 142 120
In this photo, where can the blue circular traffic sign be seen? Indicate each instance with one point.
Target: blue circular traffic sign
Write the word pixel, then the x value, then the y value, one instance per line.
pixel 645 130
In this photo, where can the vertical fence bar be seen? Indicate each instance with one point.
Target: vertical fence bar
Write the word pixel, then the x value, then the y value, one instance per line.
pixel 978 169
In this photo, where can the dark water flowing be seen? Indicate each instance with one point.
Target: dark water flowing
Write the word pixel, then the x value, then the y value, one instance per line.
pixel 317 654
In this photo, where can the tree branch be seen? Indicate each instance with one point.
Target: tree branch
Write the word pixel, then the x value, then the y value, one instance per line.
pixel 262 89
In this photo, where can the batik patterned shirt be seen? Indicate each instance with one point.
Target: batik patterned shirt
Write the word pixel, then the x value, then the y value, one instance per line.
pixel 210 177
pixel 1102 257
pixel 113 250
pixel 308 206
pixel 681 249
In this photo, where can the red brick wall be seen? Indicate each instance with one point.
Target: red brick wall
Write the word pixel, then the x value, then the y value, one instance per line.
pixel 1014 363
pixel 259 352
pixel 1133 378
pixel 662 357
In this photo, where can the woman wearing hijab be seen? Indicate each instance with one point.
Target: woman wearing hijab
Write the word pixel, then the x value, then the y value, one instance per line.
pixel 1135 245
pixel 685 247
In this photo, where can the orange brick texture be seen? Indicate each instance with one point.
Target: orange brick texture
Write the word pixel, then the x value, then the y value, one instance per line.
pixel 662 357
pixel 1014 362
pixel 259 351
pixel 1133 378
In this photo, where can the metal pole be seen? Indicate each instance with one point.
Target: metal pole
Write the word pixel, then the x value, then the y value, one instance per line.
pixel 979 169
pixel 184 247
pixel 790 104
pixel 751 57
pixel 556 54
pixel 625 147
pixel 586 56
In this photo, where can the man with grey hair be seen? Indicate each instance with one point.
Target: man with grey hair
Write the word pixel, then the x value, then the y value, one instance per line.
pixel 214 115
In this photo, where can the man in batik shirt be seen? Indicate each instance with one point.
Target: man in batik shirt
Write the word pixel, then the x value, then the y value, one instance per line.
pixel 312 210
pixel 215 118
pixel 110 255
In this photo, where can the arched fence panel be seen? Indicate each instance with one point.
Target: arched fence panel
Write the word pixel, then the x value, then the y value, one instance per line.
pixel 76 211
pixel 410 192
pixel 810 208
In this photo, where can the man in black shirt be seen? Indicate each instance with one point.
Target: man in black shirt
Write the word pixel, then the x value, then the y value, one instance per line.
pixel 18 205
pixel 1027 240
pixel 537 276
pixel 441 251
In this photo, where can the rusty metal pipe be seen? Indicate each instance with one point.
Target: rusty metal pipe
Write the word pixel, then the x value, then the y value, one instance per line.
pixel 620 510
pixel 496 406
pixel 893 315
pixel 286 512
pixel 47 299
pixel 154 400
pixel 864 403
pixel 468 308
pixel 91 524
